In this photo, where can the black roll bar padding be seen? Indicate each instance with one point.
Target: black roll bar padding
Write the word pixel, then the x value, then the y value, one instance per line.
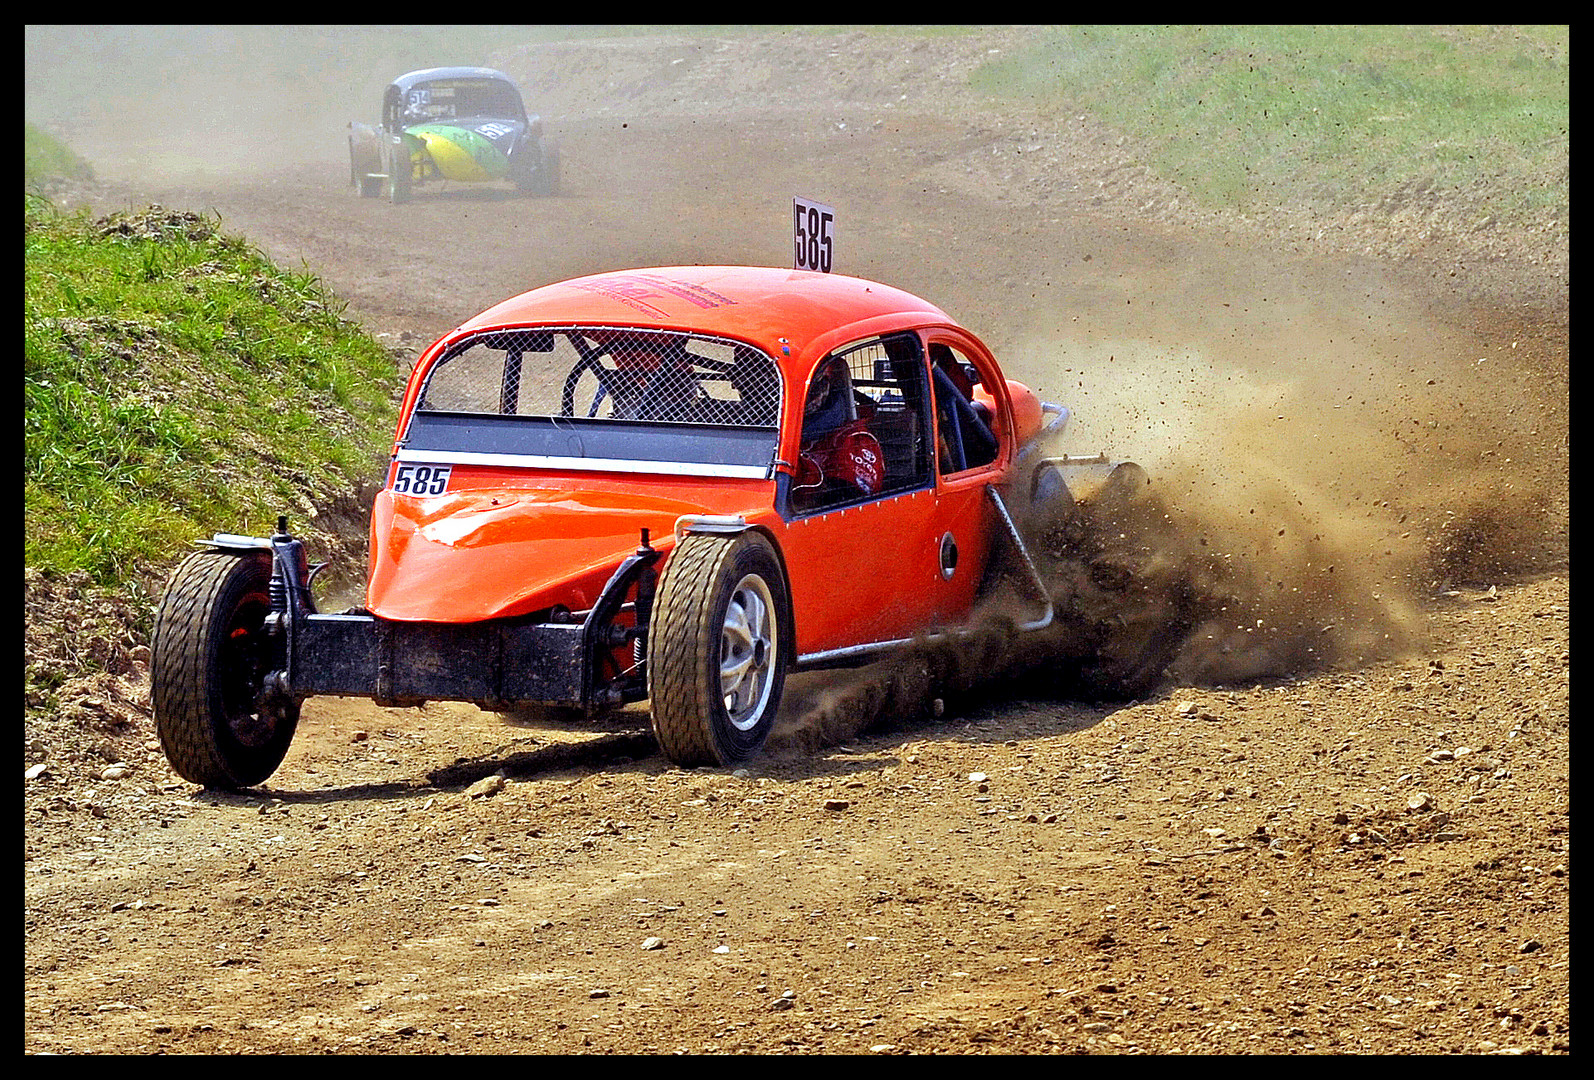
pixel 966 424
pixel 947 391
pixel 509 391
pixel 590 358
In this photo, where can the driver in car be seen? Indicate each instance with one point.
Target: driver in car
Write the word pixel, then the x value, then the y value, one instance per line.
pixel 838 451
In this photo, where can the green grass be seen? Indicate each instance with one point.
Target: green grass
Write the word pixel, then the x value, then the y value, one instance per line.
pixel 46 158
pixel 1258 116
pixel 176 383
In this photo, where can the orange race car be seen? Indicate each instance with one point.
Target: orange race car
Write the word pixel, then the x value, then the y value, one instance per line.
pixel 673 484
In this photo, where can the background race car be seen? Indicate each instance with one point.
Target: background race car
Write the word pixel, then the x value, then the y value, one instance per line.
pixel 455 123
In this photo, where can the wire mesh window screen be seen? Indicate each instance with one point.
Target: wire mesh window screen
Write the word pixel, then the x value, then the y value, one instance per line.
pixel 890 373
pixel 461 98
pixel 870 367
pixel 642 375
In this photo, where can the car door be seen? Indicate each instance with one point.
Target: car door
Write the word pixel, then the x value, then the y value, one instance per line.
pixel 864 566
pixel 968 460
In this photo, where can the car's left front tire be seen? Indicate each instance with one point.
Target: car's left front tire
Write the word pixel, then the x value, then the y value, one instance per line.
pixel 543 179
pixel 718 647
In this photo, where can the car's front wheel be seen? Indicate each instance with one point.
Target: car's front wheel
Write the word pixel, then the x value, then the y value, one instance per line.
pixel 718 648
pixel 548 174
pixel 542 178
pixel 400 171
pixel 365 164
pixel 209 657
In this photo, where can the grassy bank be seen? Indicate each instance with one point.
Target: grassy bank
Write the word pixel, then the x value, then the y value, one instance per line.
pixel 177 383
pixel 1256 116
pixel 46 160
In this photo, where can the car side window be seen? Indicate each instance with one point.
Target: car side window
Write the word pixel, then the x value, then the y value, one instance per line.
pixel 866 430
pixel 964 431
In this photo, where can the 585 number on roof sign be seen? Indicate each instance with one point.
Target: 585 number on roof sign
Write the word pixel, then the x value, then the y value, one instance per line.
pixel 813 235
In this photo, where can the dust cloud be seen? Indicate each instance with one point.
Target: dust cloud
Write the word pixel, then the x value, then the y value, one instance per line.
pixel 147 103
pixel 1306 501
pixel 1274 501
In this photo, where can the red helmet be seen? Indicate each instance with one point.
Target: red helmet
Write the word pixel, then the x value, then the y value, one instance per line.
pixel 849 454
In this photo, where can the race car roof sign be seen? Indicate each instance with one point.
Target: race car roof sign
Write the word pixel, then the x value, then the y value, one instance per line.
pixel 813 235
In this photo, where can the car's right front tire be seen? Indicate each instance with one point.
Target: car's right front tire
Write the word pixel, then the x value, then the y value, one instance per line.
pixel 543 178
pixel 718 647
pixel 399 170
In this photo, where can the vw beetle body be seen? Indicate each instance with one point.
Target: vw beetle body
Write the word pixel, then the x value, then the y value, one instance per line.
pixel 613 488
pixel 463 124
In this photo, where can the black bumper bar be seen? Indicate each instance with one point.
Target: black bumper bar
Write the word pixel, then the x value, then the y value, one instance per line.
pixel 494 664
pixel 592 660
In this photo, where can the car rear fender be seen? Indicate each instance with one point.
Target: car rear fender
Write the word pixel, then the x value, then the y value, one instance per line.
pixel 735 525
pixel 726 525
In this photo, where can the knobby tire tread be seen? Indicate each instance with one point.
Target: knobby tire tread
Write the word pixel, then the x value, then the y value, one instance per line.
pixel 185 648
pixel 178 680
pixel 684 638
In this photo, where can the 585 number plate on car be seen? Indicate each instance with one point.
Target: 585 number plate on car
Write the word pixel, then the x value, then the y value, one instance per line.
pixel 813 235
pixel 421 479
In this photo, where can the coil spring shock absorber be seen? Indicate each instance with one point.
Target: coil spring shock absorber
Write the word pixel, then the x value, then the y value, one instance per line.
pixel 647 584
pixel 278 588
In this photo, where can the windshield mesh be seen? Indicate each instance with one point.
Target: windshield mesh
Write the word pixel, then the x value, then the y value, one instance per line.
pixel 459 98
pixel 646 376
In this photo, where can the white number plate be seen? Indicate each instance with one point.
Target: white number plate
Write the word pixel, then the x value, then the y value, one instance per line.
pixel 421 479
pixel 813 235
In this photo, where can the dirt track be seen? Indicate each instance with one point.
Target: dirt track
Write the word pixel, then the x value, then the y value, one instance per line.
pixel 1353 842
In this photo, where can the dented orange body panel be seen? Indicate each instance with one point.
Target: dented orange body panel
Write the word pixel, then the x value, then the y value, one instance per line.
pixel 500 545
pixel 513 534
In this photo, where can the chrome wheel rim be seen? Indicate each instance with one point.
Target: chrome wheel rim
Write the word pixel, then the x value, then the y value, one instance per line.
pixel 747 652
